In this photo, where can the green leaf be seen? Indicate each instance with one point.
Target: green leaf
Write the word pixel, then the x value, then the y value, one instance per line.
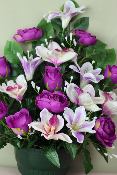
pixel 30 144
pixel 99 147
pixel 30 103
pixel 99 54
pixel 85 142
pixel 10 52
pixel 1 129
pixel 52 155
pixel 62 66
pixel 79 149
pixel 42 22
pixel 82 23
pixel 47 29
pixel 57 24
pixel 87 161
pixel 107 85
pixel 71 147
pixel 16 143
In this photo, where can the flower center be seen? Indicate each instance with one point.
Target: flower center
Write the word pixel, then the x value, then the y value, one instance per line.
pixel 15 89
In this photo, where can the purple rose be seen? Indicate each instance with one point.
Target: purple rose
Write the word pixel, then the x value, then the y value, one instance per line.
pixel 19 121
pixel 3 110
pixel 53 101
pixel 105 131
pixel 111 72
pixel 52 77
pixel 4 68
pixel 27 35
pixel 85 38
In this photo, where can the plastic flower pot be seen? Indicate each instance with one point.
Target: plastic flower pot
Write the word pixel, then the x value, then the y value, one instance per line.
pixel 34 162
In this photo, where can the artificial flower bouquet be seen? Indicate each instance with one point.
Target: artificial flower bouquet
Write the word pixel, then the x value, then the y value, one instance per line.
pixel 59 94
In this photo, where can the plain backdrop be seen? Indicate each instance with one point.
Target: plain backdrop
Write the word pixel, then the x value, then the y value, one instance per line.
pixel 15 14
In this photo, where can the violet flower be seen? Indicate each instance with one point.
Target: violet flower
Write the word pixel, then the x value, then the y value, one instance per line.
pixel 77 124
pixel 29 65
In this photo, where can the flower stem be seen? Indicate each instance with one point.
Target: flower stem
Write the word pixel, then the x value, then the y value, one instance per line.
pixel 62 35
pixel 21 104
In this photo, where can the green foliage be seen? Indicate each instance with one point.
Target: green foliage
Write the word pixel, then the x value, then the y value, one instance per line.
pixel 99 147
pixel 47 29
pixel 87 161
pixel 99 54
pixel 10 51
pixel 51 154
pixel 57 24
pixel 72 148
pixel 31 143
pixel 15 142
pixel 82 23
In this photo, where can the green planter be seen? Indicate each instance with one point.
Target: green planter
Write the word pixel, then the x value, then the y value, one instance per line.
pixel 34 162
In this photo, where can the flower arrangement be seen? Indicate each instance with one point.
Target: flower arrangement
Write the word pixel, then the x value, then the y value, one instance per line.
pixel 62 93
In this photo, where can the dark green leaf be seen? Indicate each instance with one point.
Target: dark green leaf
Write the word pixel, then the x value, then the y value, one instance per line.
pixel 85 142
pixel 1 129
pixel 16 143
pixel 57 24
pixel 87 161
pixel 71 147
pixel 62 66
pixel 79 149
pixel 52 155
pixel 82 23
pixel 10 51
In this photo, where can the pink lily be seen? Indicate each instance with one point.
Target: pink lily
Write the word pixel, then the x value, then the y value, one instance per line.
pixel 49 126
pixel 15 90
pixel 77 124
pixel 55 54
pixel 87 74
pixel 84 97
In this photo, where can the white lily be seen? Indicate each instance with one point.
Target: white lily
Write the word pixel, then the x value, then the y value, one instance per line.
pixel 29 65
pixel 55 54
pixel 84 97
pixel 77 124
pixel 15 90
pixel 49 126
pixel 87 74
pixel 69 12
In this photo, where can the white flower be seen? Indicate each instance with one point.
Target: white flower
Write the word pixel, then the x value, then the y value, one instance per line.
pixel 69 12
pixel 15 90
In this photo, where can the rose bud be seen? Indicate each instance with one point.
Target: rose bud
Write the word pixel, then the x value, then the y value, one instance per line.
pixel 52 78
pixel 4 68
pixel 111 72
pixel 85 38
pixel 19 121
pixel 3 110
pixel 53 101
pixel 28 35
pixel 105 131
